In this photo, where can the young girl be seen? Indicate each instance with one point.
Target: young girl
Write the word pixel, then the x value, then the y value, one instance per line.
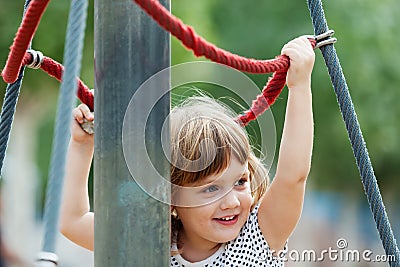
pixel 228 216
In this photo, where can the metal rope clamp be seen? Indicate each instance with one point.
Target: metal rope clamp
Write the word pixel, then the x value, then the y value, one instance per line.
pixel 46 259
pixel 324 39
pixel 37 59
pixel 88 126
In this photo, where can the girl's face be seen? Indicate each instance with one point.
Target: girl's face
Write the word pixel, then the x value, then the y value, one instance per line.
pixel 227 200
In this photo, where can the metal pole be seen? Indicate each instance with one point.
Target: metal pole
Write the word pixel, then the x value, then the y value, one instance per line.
pixel 131 227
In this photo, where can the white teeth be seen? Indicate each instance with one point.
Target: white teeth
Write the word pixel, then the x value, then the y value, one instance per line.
pixel 227 218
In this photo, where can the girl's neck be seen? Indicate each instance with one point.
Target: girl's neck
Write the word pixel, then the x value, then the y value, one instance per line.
pixel 195 250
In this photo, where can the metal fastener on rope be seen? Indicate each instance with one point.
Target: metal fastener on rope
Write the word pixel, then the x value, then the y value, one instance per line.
pixel 37 59
pixel 46 259
pixel 88 126
pixel 324 39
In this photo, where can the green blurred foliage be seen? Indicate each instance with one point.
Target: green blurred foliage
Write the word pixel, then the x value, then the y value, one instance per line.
pixel 49 39
pixel 368 49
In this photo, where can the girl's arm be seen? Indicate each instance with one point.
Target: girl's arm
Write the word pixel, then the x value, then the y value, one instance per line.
pixel 281 207
pixel 76 220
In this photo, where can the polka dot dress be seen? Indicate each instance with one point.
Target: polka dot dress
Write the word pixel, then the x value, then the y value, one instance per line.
pixel 249 249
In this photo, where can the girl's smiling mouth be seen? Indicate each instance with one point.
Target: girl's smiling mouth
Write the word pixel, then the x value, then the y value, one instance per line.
pixel 227 220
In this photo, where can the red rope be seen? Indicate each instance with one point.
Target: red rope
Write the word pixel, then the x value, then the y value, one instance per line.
pixel 201 47
pixel 18 56
pixel 22 39
pixel 264 100
pixel 176 27
pixel 55 69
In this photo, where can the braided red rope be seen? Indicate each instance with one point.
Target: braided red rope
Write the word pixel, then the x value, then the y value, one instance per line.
pixel 201 47
pixel 19 57
pixel 176 27
pixel 22 39
pixel 55 69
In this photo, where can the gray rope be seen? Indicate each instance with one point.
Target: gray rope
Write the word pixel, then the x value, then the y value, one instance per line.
pixel 72 63
pixel 8 109
pixel 355 135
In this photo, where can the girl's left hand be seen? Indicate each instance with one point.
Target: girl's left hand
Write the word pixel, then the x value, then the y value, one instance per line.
pixel 302 57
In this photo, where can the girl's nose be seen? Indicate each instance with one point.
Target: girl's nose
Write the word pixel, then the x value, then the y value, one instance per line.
pixel 230 200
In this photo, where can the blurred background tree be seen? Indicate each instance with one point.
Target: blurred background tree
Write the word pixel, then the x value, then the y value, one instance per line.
pixel 368 41
pixel 368 48
pixel 38 88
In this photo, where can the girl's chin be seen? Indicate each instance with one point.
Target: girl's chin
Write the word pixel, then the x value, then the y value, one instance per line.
pixel 227 236
pixel 227 231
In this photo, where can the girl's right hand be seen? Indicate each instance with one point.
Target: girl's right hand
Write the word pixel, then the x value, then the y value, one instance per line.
pixel 79 115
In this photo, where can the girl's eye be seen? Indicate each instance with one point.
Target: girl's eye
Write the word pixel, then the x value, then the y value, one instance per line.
pixel 211 189
pixel 241 182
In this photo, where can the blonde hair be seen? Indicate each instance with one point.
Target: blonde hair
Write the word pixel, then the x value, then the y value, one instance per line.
pixel 204 137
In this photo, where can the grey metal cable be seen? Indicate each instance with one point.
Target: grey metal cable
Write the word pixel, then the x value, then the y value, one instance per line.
pixel 72 63
pixel 360 151
pixel 8 108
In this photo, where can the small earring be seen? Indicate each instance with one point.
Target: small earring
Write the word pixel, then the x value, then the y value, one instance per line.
pixel 175 213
